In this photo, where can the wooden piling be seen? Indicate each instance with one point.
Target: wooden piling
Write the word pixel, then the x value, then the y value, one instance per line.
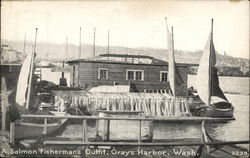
pixel 45 126
pixel 108 129
pixel 205 148
pixel 139 134
pixel 4 103
pixel 12 132
pixel 84 131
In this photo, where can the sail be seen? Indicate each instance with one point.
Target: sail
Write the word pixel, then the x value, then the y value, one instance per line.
pixel 177 85
pixel 215 88
pixel 22 84
pixel 207 82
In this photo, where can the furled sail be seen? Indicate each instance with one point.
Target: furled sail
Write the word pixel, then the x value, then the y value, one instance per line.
pixel 22 84
pixel 177 85
pixel 207 82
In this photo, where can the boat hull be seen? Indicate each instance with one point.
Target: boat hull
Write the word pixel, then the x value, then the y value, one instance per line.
pixel 215 112
pixel 33 130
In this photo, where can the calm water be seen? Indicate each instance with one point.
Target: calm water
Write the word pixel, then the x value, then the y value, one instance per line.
pixel 231 131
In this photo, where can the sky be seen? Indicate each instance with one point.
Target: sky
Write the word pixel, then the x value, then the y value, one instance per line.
pixel 137 23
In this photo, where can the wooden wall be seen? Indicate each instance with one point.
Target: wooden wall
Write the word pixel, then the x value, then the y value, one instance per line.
pixel 88 75
pixel 11 75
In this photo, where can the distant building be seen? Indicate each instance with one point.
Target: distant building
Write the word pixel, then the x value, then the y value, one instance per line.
pixel 143 73
pixel 9 55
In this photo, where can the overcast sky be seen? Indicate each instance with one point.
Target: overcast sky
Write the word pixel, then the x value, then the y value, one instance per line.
pixel 135 23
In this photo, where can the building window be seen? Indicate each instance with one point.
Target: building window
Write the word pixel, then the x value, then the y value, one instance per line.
pixel 103 74
pixel 163 76
pixel 135 75
pixel 130 75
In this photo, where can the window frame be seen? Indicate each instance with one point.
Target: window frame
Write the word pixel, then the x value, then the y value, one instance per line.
pixel 99 73
pixel 134 72
pixel 161 72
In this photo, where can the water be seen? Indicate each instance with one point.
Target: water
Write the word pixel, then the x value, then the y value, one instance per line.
pixel 237 129
pixel 235 85
pixel 231 131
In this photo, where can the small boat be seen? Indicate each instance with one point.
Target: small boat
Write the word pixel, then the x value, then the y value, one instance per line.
pixel 214 102
pixel 25 127
pixel 35 129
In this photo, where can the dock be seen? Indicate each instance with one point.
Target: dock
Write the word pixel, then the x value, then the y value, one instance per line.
pixel 204 146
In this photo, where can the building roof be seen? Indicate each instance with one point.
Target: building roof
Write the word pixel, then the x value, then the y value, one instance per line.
pixel 125 59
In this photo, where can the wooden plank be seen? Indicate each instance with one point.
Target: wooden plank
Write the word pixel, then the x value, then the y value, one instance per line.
pixel 175 119
pixel 139 136
pixel 145 144
pixel 12 133
pixel 45 126
pixel 120 111
pixel 84 131
pixel 4 102
pixel 205 149
pixel 108 129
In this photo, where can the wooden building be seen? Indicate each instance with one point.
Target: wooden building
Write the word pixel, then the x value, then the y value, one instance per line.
pixel 142 73
pixel 11 73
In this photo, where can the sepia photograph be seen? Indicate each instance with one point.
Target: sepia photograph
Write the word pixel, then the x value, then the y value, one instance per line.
pixel 125 78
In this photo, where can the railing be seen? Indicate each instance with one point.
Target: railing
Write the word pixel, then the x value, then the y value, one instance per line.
pixel 204 140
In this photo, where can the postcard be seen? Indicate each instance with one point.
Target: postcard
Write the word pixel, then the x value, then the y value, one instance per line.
pixel 142 78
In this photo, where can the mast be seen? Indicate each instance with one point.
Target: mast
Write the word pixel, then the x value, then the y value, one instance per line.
pixel 172 30
pixel 80 43
pixel 210 65
pixel 24 45
pixel 66 53
pixel 108 43
pixel 31 73
pixel 94 43
pixel 66 56
pixel 171 62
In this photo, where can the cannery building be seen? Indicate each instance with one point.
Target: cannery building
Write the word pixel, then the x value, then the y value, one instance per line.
pixel 142 73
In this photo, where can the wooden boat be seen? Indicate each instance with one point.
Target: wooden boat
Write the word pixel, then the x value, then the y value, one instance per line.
pixel 31 127
pixel 34 130
pixel 215 103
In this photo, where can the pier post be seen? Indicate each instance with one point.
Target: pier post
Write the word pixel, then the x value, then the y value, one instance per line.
pixel 84 131
pixel 139 136
pixel 97 128
pixel 108 128
pixel 45 126
pixel 205 149
pixel 4 103
pixel 12 132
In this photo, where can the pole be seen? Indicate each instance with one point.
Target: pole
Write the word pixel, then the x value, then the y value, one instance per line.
pixel 4 103
pixel 24 45
pixel 174 91
pixel 66 56
pixel 108 43
pixel 31 73
pixel 80 43
pixel 210 64
pixel 94 44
